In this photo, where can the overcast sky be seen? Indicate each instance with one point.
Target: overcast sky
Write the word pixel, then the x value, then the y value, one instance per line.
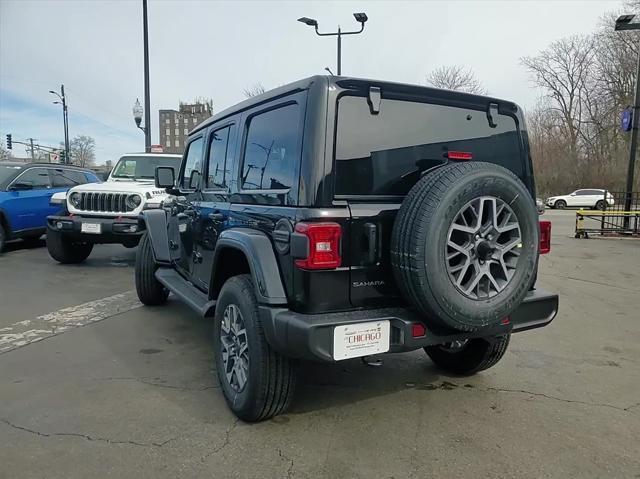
pixel 215 49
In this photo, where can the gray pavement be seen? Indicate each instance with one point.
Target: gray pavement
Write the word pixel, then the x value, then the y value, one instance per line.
pixel 134 393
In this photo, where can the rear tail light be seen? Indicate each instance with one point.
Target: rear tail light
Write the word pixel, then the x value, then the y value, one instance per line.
pixel 324 245
pixel 545 237
pixel 459 155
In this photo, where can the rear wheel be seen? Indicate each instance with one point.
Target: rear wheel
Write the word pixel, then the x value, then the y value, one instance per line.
pixel 65 250
pixel 469 356
pixel 257 382
pixel 600 205
pixel 560 205
pixel 150 291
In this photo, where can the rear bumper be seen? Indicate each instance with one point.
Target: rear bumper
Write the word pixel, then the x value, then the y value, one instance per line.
pixel 310 336
pixel 112 230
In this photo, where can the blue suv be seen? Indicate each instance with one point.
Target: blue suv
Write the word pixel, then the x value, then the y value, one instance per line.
pixel 25 191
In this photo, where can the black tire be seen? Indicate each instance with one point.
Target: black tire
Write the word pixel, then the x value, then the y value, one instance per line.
pixel 3 237
pixel 65 250
pixel 560 205
pixel 150 291
pixel 474 356
pixel 271 377
pixel 420 236
pixel 600 205
pixel 131 243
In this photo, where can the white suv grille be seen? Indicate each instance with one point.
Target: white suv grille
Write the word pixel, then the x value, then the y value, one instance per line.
pixel 104 202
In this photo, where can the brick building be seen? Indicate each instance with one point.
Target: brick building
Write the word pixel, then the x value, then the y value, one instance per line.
pixel 175 125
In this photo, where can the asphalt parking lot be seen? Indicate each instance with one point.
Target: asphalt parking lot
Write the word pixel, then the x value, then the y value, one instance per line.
pixel 94 384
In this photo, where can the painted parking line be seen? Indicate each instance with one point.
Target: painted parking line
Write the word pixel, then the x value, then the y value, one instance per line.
pixel 51 324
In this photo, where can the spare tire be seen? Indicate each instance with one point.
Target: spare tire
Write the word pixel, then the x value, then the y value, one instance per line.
pixel 464 246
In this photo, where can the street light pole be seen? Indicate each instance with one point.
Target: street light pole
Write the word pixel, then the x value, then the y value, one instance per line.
pixel 147 101
pixel 360 17
pixel 65 119
pixel 624 23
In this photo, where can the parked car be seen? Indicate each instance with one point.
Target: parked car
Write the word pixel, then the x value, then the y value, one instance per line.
pixel 25 192
pixel 107 212
pixel 313 223
pixel 592 198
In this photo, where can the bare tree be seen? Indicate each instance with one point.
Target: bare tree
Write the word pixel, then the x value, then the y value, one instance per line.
pixel 82 151
pixel 255 90
pixel 456 77
pixel 5 154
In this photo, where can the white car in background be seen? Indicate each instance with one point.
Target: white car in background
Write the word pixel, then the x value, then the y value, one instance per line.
pixel 591 198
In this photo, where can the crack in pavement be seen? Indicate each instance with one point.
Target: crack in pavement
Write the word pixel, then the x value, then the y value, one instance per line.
pixel 287 458
pixel 150 382
pixel 225 443
pixel 86 436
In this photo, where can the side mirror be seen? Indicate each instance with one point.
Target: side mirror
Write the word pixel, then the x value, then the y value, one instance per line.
pixel 572 194
pixel 165 177
pixel 21 186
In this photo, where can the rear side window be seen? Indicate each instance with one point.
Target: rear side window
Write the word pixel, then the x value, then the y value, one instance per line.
pixel 384 154
pixel 67 178
pixel 36 177
pixel 271 150
pixel 192 165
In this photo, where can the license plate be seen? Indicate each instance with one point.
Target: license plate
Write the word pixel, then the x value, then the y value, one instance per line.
pixel 360 339
pixel 91 228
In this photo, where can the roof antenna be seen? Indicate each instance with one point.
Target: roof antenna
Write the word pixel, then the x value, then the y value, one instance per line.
pixel 330 72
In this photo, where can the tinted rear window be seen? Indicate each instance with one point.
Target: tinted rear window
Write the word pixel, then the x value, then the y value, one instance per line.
pixel 384 154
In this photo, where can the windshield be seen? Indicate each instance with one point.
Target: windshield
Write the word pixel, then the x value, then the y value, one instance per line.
pixel 143 167
pixel 7 172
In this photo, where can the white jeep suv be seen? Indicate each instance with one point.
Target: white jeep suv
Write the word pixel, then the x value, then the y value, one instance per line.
pixel 107 212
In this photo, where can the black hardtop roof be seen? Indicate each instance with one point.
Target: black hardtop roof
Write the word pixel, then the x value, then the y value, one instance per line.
pixel 49 165
pixel 351 83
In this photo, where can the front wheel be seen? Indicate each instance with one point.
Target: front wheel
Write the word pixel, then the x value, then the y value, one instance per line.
pixel 256 381
pixel 3 237
pixel 65 250
pixel 469 356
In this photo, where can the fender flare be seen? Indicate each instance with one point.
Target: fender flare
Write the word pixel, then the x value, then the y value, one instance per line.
pixel 258 250
pixel 157 228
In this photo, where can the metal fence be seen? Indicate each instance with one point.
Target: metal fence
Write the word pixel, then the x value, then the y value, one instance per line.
pixel 618 213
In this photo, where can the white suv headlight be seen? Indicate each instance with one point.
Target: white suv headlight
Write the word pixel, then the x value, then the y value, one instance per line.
pixel 133 201
pixel 74 199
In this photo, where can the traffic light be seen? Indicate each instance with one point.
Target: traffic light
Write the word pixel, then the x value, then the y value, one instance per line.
pixel 63 157
pixel 9 143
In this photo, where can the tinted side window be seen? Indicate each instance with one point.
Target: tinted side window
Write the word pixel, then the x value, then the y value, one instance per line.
pixel 271 150
pixel 36 177
pixel 63 178
pixel 583 192
pixel 384 154
pixel 193 165
pixel 219 169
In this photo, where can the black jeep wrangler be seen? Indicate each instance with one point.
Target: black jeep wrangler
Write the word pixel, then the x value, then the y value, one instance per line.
pixel 336 218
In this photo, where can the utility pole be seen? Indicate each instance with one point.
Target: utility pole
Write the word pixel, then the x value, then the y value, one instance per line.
pixel 147 100
pixel 65 119
pixel 33 156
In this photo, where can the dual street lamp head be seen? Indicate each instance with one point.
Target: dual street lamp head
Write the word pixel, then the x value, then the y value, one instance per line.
pixel 360 17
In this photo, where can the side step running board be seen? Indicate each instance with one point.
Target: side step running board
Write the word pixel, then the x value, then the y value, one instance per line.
pixel 189 294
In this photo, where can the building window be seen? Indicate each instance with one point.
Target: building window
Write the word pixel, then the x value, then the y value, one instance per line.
pixel 176 143
pixel 177 132
pixel 186 131
pixel 168 142
pixel 167 120
pixel 167 132
pixel 194 120
pixel 186 120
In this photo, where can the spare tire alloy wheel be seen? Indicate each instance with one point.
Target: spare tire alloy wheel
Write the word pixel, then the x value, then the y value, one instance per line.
pixel 235 348
pixel 483 247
